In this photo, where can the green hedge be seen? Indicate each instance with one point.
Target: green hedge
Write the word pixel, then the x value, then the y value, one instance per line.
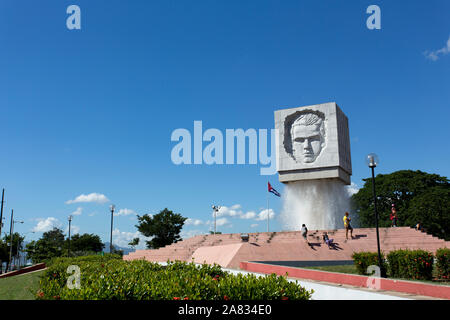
pixel 410 264
pixel 363 260
pixel 406 264
pixel 88 258
pixel 107 279
pixel 443 263
pixel 394 263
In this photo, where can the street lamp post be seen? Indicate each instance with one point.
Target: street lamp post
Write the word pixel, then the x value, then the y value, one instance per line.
pixel 11 230
pixel 1 212
pixel 112 207
pixel 11 226
pixel 215 209
pixel 17 256
pixel 70 220
pixel 372 161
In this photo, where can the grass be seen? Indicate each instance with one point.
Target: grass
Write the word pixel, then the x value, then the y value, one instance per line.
pixel 340 268
pixel 20 287
pixel 351 269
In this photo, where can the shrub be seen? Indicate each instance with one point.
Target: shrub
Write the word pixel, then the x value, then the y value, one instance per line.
pixel 363 260
pixel 443 263
pixel 411 264
pixel 395 263
pixel 85 258
pixel 106 279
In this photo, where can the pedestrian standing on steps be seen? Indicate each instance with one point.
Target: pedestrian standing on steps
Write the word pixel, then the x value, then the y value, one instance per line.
pixel 304 231
pixel 347 226
pixel 393 216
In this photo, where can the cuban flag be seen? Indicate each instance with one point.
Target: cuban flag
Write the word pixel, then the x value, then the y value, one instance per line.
pixel 271 189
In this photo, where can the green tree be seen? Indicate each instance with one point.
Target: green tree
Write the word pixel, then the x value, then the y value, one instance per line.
pixel 116 251
pixel 5 247
pixel 4 253
pixel 50 245
pixel 418 197
pixel 164 227
pixel 85 243
pixel 134 243
pixel 432 210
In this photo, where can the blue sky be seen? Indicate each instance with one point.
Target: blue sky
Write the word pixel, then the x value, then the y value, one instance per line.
pixel 91 111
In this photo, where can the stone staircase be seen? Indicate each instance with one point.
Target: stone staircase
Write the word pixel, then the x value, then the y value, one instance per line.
pixel 364 239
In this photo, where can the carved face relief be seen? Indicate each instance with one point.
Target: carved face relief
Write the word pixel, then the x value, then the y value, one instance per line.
pixel 306 143
pixel 307 136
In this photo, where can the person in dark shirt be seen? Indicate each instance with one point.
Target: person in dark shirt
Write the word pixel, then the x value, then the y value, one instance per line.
pixel 393 216
pixel 304 231
pixel 327 240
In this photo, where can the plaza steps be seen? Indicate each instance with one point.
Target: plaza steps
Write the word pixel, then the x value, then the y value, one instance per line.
pixel 229 250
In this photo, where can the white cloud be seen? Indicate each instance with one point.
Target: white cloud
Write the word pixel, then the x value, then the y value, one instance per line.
pixel 219 222
pixel 92 197
pixel 254 225
pixel 47 224
pixel 73 230
pixel 125 212
pixel 352 189
pixel 78 211
pixel 229 212
pixel 194 222
pixel 222 222
pixel 248 215
pixel 122 238
pixel 263 215
pixel 190 233
pixel 234 211
pixel 434 55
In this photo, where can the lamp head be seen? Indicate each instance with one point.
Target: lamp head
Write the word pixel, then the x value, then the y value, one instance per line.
pixel 372 160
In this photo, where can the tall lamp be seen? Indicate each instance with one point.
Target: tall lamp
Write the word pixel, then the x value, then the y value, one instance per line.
pixel 112 207
pixel 215 209
pixel 372 161
pixel 70 221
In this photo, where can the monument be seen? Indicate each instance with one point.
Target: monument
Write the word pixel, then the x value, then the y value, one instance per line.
pixel 313 143
pixel 313 160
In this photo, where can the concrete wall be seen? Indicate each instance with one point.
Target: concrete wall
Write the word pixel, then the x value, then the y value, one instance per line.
pixel 334 292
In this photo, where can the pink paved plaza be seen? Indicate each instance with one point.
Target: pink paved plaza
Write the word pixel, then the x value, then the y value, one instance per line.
pixel 228 250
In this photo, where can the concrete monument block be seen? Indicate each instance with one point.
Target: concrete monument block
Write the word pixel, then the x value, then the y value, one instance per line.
pixel 313 143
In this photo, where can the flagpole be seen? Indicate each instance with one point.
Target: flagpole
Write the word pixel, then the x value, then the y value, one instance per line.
pixel 267 211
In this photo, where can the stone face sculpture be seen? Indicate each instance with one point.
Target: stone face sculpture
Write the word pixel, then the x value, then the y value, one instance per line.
pixel 306 136
pixel 313 143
